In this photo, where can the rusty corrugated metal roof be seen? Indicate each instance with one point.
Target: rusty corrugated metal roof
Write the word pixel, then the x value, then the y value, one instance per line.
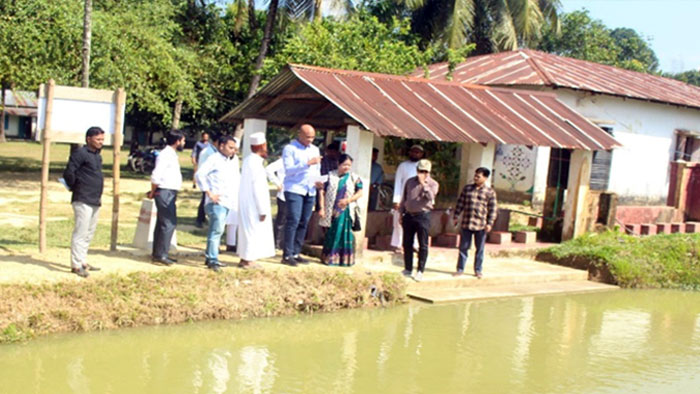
pixel 527 67
pixel 19 98
pixel 390 105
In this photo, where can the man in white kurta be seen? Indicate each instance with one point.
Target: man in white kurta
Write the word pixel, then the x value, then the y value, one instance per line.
pixel 404 171
pixel 255 236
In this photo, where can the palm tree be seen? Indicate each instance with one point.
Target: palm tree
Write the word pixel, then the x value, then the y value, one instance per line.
pixel 292 9
pixel 494 25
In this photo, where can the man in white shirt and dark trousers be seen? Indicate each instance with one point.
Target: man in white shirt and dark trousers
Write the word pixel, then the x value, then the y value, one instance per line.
pixel 275 174
pixel 214 178
pixel 166 181
pixel 301 164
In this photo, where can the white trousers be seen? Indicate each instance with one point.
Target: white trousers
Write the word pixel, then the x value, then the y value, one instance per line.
pixel 231 230
pixel 85 224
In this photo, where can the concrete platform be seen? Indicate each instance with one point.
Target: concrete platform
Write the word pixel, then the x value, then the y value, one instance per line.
pixel 505 275
pixel 444 295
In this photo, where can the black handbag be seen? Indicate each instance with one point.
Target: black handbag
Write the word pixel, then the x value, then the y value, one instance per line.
pixel 356 224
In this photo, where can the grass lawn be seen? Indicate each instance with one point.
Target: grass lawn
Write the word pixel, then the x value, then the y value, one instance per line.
pixel 658 261
pixel 20 176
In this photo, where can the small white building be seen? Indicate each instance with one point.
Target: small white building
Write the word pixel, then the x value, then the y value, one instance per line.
pixel 20 114
pixel 656 119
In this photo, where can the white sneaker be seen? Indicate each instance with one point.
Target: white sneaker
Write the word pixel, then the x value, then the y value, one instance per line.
pixel 418 277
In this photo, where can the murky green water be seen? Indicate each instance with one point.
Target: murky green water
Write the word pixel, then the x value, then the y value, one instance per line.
pixel 626 341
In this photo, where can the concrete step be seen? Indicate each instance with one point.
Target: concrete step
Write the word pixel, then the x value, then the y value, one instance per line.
pixel 522 274
pixel 443 295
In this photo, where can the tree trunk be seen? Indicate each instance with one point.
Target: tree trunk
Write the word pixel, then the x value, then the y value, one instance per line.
pixel 87 36
pixel 269 25
pixel 176 113
pixel 317 10
pixel 252 20
pixel 3 86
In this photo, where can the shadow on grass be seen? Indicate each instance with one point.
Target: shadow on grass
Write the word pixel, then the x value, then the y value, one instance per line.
pixel 51 266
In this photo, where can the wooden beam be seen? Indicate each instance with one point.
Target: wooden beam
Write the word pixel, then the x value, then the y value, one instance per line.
pixel 289 96
pixel 45 159
pixel 120 97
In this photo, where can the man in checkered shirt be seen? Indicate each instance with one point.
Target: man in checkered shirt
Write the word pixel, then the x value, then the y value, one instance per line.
pixel 477 202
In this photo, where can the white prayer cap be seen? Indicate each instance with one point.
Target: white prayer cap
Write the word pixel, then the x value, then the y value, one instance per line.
pixel 257 139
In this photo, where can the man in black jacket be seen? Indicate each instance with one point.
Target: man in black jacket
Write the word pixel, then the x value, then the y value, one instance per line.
pixel 83 175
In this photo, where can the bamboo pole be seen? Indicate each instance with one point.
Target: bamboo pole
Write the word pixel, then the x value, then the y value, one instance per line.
pixel 120 97
pixel 45 159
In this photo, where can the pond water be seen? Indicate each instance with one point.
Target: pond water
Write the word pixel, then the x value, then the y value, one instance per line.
pixel 613 342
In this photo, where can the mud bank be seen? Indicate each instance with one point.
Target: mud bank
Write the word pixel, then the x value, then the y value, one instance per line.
pixel 174 297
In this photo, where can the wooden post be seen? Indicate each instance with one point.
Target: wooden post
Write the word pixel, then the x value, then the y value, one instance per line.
pixel 576 192
pixel 119 97
pixel 45 160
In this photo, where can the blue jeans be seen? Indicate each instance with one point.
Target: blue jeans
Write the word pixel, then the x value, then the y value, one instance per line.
pixel 465 242
pixel 217 222
pixel 299 210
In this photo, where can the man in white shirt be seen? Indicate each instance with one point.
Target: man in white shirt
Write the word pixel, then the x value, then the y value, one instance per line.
pixel 275 174
pixel 255 237
pixel 214 178
pixel 166 180
pixel 301 167
pixel 404 171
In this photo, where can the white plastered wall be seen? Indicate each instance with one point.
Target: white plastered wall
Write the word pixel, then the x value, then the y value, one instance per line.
pixel 640 168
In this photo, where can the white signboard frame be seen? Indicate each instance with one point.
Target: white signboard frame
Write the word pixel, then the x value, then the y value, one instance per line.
pixel 65 113
pixel 77 109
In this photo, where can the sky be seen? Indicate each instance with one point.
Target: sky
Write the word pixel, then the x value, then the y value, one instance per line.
pixel 670 26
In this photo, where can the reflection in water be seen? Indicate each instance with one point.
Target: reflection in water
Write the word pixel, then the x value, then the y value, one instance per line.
pixel 622 341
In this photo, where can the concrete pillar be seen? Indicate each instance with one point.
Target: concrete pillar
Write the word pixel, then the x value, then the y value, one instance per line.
pixel 359 147
pixel 541 171
pixel 576 192
pixel 472 157
pixel 251 126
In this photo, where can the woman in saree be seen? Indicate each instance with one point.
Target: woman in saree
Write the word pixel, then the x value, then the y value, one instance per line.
pixel 337 214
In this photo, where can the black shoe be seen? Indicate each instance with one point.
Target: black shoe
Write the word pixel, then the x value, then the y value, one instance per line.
pixel 230 248
pixel 163 260
pixel 199 225
pixel 214 266
pixel 290 261
pixel 173 259
pixel 89 267
pixel 300 259
pixel 81 272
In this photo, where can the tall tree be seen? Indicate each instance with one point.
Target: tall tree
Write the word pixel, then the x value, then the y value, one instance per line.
pixel 87 36
pixel 264 45
pixel 494 25
pixel 40 40
pixel 582 37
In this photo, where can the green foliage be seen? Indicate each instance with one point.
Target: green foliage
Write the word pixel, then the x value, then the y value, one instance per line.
pixel 493 25
pixel 690 77
pixel 582 37
pixel 359 43
pixel 40 39
pixel 659 261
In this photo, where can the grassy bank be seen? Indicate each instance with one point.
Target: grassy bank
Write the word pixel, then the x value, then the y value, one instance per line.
pixel 660 261
pixel 172 297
